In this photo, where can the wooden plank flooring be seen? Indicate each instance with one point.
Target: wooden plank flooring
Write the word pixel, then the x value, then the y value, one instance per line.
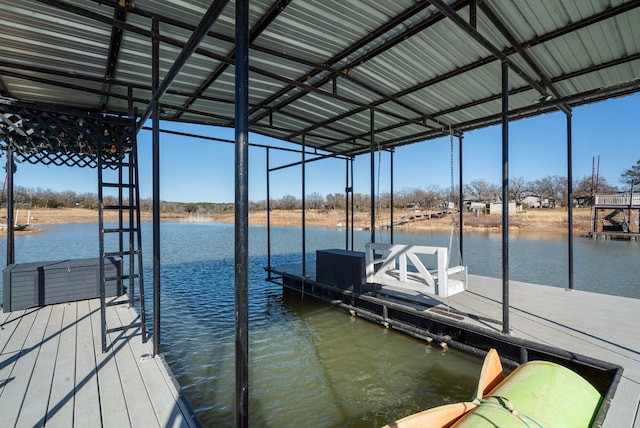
pixel 598 326
pixel 53 373
pixel 595 325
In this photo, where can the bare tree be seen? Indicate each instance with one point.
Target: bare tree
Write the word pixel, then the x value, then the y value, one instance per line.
pixel 288 202
pixel 335 200
pixel 314 201
pixel 586 188
pixel 361 201
pixel 518 188
pixel 480 190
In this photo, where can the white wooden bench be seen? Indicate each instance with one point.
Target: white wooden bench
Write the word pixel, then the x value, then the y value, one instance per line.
pixel 401 266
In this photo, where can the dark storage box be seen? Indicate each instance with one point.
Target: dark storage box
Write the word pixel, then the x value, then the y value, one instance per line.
pixel 341 268
pixel 44 283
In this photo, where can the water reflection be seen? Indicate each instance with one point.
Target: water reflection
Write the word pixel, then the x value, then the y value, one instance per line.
pixel 312 364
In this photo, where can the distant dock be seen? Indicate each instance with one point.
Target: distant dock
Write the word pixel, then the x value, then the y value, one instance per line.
pixel 53 373
pixel 616 217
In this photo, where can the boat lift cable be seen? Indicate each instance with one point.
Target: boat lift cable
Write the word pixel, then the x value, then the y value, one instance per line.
pixel 453 232
pixel 378 202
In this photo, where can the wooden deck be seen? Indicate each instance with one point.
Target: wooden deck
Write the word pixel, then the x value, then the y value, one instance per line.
pixel 598 326
pixel 53 373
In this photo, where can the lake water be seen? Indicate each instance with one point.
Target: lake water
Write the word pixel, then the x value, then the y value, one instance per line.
pixel 312 364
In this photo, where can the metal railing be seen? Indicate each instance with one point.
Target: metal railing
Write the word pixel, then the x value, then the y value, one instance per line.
pixel 624 200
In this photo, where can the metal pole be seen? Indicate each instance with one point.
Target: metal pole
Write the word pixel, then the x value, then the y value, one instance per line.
pixel 304 206
pixel 11 248
pixel 505 197
pixel 460 199
pixel 391 197
pixel 268 217
pixel 352 208
pixel 99 140
pixel 570 198
pixel 373 184
pixel 346 205
pixel 155 81
pixel 242 215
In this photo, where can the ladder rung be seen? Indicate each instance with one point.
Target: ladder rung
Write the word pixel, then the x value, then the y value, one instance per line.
pixel 118 207
pixel 117 185
pixel 121 253
pixel 122 277
pixel 124 229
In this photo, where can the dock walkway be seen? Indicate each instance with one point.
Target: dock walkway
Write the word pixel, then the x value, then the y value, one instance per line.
pixel 53 373
pixel 598 326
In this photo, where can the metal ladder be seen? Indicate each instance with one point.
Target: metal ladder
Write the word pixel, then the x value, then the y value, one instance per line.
pixel 120 245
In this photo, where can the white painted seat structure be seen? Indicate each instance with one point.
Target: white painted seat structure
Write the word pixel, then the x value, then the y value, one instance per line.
pixel 402 266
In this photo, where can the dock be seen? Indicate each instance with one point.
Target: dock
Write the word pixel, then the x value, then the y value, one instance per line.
pixel 582 330
pixel 616 216
pixel 53 372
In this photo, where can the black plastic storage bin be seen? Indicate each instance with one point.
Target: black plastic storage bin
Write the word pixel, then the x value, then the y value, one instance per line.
pixel 44 283
pixel 341 268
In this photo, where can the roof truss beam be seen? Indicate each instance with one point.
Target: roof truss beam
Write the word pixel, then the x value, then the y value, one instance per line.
pixel 497 22
pixel 273 12
pixel 266 105
pixel 115 41
pixel 553 104
pixel 212 14
pixel 607 14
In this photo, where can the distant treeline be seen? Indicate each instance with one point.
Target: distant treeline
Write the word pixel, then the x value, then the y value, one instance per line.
pixel 551 188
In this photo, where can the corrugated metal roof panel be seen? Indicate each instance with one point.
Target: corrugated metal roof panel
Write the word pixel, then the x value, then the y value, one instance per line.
pixel 320 67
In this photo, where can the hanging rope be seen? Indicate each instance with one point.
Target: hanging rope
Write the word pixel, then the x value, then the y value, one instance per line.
pixel 503 404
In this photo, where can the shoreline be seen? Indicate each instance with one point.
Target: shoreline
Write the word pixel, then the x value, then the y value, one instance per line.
pixel 546 221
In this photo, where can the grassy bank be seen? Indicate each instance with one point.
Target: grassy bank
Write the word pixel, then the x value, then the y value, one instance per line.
pixel 540 220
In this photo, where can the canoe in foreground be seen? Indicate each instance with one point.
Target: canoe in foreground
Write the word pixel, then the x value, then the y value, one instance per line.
pixel 536 394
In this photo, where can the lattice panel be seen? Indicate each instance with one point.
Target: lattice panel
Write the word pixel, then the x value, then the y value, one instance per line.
pixel 44 137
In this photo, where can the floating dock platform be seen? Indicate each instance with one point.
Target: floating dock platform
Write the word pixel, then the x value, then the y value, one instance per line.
pixel 53 371
pixel 593 334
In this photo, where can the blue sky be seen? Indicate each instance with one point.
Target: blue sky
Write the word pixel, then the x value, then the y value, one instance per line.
pixel 195 170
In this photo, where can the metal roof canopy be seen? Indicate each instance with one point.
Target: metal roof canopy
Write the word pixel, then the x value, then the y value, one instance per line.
pixel 344 77
pixel 320 70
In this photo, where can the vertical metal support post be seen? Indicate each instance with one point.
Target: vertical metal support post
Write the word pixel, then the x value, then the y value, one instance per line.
pixel 570 199
pixel 304 209
pixel 505 198
pixel 352 208
pixel 242 215
pixel 99 141
pixel 121 232
pixel 391 197
pixel 155 155
pixel 11 246
pixel 268 217
pixel 133 184
pixel 346 205
pixel 373 181
pixel 460 199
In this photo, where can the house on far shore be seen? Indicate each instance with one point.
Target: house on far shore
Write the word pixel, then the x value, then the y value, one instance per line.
pixel 413 207
pixel 496 208
pixel 476 207
pixel 534 201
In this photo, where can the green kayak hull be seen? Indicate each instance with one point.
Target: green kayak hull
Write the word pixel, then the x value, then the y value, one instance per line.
pixel 537 394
